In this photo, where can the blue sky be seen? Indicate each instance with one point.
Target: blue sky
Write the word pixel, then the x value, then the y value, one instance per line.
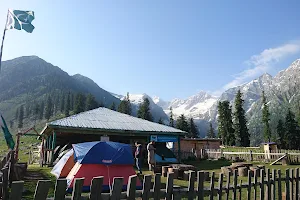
pixel 172 49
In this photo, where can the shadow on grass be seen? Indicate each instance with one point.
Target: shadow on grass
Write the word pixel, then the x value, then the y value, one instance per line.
pixel 210 164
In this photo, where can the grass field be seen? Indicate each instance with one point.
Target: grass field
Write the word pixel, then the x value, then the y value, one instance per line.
pixel 35 173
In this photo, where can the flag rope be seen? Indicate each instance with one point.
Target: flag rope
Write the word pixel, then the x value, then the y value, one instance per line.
pixel 1 50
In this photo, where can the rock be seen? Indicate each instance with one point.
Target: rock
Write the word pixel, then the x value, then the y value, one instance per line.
pixel 226 170
pixel 243 171
pixel 164 170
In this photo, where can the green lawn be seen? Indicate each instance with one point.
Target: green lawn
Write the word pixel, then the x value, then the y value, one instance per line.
pixel 36 172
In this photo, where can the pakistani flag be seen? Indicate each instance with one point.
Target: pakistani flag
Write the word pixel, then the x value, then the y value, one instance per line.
pixel 9 140
pixel 18 19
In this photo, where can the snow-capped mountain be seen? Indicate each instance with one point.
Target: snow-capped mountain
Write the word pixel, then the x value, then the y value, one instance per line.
pixel 163 104
pixel 193 107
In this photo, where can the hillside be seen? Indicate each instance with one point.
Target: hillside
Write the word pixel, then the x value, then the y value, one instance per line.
pixel 29 79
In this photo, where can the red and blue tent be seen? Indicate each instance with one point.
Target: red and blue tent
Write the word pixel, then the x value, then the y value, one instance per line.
pixel 107 159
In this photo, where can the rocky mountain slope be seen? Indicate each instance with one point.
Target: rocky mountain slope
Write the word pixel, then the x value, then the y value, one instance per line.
pixel 30 78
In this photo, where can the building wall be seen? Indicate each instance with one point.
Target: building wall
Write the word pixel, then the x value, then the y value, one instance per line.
pixel 188 145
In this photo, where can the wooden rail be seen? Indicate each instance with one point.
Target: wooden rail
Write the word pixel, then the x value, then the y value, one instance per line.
pixel 262 185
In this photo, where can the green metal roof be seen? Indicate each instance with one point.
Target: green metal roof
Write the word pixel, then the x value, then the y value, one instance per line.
pixel 108 120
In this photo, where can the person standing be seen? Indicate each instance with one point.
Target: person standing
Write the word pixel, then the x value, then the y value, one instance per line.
pixel 151 155
pixel 138 157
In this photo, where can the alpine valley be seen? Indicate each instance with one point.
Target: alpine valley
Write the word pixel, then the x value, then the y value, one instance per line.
pixel 28 80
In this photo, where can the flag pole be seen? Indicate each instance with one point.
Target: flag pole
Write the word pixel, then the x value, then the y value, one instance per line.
pixel 1 50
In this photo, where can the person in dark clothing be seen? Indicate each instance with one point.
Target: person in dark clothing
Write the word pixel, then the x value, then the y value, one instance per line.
pixel 138 157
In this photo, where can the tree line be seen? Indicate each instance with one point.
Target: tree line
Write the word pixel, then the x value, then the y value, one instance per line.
pixel 55 104
pixel 233 130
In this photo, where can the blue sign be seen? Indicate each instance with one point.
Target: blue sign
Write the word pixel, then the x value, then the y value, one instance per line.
pixel 163 138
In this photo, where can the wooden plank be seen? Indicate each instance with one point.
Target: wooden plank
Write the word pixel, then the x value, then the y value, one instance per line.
pixel 191 186
pixel 249 185
pixel 273 186
pixel 5 177
pixel 146 187
pixel 131 187
pixel 169 186
pixel 157 186
pixel 255 183
pixel 279 159
pixel 279 185
pixel 42 189
pixel 287 184
pixel 96 188
pixel 292 184
pixel 212 186
pixel 268 192
pixel 116 188
pixel 60 189
pixel 240 190
pixel 262 182
pixel 228 185
pixel 234 184
pixel 297 183
pixel 77 188
pixel 221 176
pixel 200 191
pixel 16 190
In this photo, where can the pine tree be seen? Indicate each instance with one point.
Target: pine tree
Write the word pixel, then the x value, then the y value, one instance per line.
pixel 79 103
pixel 21 117
pixel 49 108
pixel 281 134
pixel 125 106
pixel 193 129
pixel 211 132
pixel 225 125
pixel 266 119
pixel 113 106
pixel 160 121
pixel 11 124
pixel 291 131
pixel 182 124
pixel 91 102
pixel 171 117
pixel 42 108
pixel 62 102
pixel 68 105
pixel 240 123
pixel 72 101
pixel 144 110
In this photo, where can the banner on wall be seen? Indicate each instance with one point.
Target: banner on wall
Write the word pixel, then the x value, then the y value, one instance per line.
pixel 163 138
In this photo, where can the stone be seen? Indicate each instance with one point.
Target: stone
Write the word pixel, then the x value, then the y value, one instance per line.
pixel 243 171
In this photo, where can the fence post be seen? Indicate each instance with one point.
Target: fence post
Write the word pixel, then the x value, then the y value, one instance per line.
pixel 77 188
pixel 16 190
pixel 60 189
pixel 42 189
pixel 131 187
pixel 221 153
pixel 250 156
pixel 116 189
pixel 249 184
pixel 234 184
pixel 5 183
pixel 292 183
pixel 212 186
pixel 200 191
pixel 169 186
pixel 262 182
pixel 220 186
pixel 255 183
pixel 157 186
pixel 268 192
pixel 273 187
pixel 279 185
pixel 191 186
pixel 146 187
pixel 228 185
pixel 297 183
pixel 287 185
pixel 96 188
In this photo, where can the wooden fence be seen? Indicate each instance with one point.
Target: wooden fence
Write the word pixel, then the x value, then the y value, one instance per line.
pixel 260 185
pixel 293 156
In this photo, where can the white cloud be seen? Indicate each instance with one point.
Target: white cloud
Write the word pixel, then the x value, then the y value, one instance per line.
pixel 263 62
